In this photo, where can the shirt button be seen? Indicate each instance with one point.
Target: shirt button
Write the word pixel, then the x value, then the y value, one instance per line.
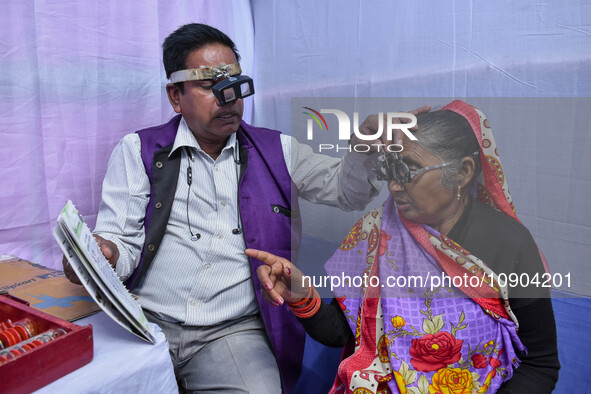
pixel 158 205
pixel 193 302
pixel 220 236
pixel 223 203
pixel 217 167
pixel 207 266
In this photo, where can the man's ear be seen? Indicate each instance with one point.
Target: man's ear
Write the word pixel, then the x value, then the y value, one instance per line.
pixel 174 94
pixel 467 170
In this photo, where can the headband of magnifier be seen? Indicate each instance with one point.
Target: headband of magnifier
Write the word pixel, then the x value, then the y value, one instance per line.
pixel 232 87
pixel 206 73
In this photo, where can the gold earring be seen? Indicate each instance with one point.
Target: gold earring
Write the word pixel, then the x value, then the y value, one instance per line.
pixel 459 195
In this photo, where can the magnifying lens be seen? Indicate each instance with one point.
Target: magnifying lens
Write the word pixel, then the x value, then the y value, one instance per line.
pixel 233 88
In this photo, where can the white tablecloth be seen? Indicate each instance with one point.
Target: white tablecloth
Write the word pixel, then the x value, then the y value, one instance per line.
pixel 122 363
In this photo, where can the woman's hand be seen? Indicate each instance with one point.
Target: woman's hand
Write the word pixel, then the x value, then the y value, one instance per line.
pixel 280 280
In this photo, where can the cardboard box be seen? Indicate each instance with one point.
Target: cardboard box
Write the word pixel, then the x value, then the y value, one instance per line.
pixel 45 289
pixel 52 360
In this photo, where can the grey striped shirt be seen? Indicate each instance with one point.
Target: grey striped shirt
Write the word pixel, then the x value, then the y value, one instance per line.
pixel 208 281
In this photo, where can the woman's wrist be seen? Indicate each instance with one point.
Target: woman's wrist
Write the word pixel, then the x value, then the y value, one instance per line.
pixel 308 306
pixel 298 302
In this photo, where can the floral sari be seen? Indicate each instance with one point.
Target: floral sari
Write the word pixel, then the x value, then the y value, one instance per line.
pixel 415 331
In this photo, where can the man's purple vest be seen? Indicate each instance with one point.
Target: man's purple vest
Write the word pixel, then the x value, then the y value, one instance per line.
pixel 270 220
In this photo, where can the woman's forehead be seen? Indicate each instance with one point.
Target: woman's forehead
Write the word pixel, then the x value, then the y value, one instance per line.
pixel 413 151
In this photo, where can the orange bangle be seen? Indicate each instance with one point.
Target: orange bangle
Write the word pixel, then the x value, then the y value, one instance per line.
pixel 315 307
pixel 8 338
pixel 304 300
pixel 308 310
pixel 305 308
pixel 14 335
pixel 22 332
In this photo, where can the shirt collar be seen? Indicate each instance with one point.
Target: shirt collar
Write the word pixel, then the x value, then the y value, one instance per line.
pixel 185 138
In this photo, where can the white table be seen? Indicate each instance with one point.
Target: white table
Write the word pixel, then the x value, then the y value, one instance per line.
pixel 122 363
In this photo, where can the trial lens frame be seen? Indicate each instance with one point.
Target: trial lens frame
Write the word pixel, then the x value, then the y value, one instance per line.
pixel 390 167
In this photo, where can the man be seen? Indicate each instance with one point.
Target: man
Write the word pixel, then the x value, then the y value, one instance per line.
pixel 182 201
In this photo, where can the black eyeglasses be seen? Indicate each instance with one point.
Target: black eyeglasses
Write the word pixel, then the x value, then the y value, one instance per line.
pixel 390 167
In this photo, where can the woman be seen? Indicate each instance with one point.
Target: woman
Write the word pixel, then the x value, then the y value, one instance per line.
pixel 465 335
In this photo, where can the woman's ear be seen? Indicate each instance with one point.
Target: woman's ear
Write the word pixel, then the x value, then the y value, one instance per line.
pixel 174 94
pixel 467 169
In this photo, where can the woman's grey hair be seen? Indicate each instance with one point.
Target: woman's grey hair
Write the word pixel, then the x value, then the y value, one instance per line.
pixel 448 136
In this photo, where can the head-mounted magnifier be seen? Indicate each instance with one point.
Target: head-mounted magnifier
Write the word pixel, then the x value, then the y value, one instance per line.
pixel 390 167
pixel 233 86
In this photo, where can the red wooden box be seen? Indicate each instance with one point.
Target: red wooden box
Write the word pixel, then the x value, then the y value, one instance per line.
pixel 48 362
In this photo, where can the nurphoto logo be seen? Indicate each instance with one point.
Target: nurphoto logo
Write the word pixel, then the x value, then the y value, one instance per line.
pixel 393 122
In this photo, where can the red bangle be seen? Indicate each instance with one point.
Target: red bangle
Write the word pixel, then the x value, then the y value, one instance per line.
pixel 4 340
pixel 305 308
pixel 22 332
pixel 303 300
pixel 8 338
pixel 303 304
pixel 309 310
pixel 14 335
pixel 315 308
pixel 30 332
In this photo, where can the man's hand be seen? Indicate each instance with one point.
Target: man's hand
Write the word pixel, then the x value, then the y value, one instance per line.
pixel 109 250
pixel 371 125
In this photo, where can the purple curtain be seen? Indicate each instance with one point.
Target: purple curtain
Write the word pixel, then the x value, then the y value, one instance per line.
pixel 74 78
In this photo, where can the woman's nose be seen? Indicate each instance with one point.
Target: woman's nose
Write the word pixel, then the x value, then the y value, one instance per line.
pixel 395 186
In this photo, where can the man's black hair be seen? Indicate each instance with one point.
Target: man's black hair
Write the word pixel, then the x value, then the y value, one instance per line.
pixel 186 39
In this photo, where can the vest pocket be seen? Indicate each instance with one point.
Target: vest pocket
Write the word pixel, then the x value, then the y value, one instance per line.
pixel 285 211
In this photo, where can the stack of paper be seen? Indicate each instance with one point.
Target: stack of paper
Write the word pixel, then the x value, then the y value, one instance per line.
pixel 97 275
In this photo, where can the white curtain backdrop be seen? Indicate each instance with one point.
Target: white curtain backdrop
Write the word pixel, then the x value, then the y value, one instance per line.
pixel 436 51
